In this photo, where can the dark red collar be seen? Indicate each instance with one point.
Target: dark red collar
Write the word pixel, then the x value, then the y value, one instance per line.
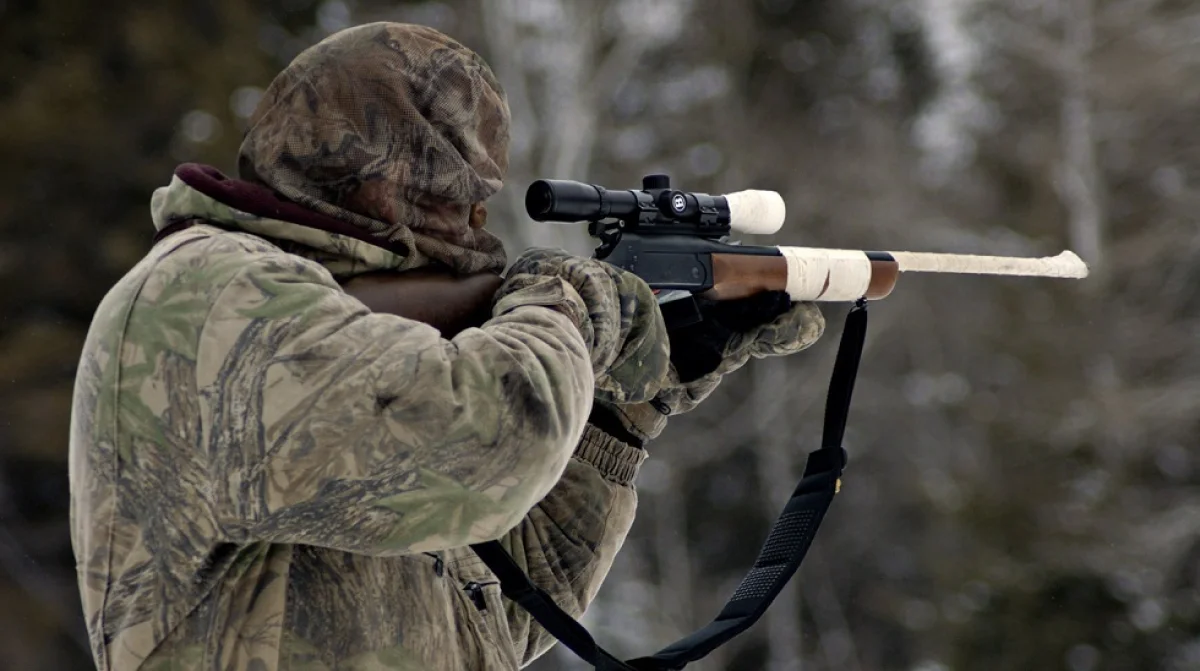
pixel 262 202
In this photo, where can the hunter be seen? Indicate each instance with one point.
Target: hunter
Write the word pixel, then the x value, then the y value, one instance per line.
pixel 276 466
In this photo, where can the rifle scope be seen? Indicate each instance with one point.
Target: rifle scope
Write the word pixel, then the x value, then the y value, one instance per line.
pixel 754 212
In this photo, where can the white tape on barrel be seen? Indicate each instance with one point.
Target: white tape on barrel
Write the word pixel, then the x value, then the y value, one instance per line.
pixel 826 274
pixel 1067 264
pixel 756 212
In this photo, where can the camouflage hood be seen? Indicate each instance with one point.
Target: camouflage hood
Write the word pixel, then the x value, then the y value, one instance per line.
pixel 392 130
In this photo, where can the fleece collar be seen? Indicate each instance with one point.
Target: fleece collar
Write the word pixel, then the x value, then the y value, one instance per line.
pixel 203 192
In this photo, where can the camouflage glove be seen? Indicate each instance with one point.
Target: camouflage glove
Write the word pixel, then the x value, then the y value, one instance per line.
pixel 765 325
pixel 614 310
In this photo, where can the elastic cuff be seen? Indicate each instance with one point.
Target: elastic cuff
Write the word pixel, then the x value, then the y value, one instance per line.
pixel 615 460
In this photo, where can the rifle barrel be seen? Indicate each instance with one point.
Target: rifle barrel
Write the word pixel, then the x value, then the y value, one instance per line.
pixel 1066 264
pixel 843 275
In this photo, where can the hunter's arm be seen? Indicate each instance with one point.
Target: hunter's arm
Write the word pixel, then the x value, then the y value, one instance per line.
pixel 568 541
pixel 372 434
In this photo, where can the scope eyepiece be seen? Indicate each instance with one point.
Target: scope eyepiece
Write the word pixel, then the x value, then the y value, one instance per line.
pixel 569 201
pixel 563 200
pixel 539 199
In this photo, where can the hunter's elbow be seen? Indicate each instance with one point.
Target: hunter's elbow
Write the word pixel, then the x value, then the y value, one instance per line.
pixel 543 442
pixel 492 506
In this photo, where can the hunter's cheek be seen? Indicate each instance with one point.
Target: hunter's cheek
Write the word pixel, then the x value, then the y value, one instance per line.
pixel 478 217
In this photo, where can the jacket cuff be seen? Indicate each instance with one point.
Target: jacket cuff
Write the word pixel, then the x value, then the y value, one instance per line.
pixel 615 460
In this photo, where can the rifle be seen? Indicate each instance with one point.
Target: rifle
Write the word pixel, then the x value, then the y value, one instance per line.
pixel 676 241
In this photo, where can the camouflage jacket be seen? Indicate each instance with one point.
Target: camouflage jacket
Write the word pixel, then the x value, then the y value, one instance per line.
pixel 266 476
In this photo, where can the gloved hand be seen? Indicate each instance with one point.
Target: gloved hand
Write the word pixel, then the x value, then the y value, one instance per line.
pixel 614 310
pixel 767 324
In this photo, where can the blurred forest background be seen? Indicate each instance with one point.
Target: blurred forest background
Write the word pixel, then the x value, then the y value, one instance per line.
pixel 1024 487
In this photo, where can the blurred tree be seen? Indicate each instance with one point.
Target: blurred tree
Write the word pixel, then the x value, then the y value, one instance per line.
pixel 98 103
pixel 1022 490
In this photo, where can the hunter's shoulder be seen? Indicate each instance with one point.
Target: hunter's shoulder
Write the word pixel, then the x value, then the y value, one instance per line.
pixel 210 258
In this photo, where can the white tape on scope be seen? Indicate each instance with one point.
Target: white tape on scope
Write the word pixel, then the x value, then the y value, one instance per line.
pixel 756 212
pixel 826 274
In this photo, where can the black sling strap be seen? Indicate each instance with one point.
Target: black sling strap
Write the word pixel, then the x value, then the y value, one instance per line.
pixel 780 557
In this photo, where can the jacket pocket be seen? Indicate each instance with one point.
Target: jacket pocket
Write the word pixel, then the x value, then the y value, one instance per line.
pixel 483 606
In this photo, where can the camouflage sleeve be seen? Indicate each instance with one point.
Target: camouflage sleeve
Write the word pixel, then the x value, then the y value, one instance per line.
pixel 369 433
pixel 568 541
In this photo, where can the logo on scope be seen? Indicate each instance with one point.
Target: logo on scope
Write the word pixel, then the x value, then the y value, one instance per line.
pixel 679 203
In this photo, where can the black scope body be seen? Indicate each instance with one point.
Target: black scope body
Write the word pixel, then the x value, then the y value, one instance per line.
pixel 570 201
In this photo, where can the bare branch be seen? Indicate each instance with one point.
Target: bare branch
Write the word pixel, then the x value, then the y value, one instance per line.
pixel 836 635
pixel 504 49
pixel 1029 43
pixel 1080 179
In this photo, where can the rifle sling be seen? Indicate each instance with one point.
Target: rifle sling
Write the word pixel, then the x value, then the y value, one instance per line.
pixel 778 560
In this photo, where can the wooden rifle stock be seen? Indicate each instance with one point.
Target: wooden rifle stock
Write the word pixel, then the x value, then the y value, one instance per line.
pixel 741 275
pixel 445 301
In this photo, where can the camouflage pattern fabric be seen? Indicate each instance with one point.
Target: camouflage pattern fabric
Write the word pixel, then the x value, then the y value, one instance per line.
pixel 630 350
pixel 266 476
pixel 795 330
pixel 394 128
pixel 343 256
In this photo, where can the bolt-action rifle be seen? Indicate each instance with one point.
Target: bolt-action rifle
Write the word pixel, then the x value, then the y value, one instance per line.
pixel 677 242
